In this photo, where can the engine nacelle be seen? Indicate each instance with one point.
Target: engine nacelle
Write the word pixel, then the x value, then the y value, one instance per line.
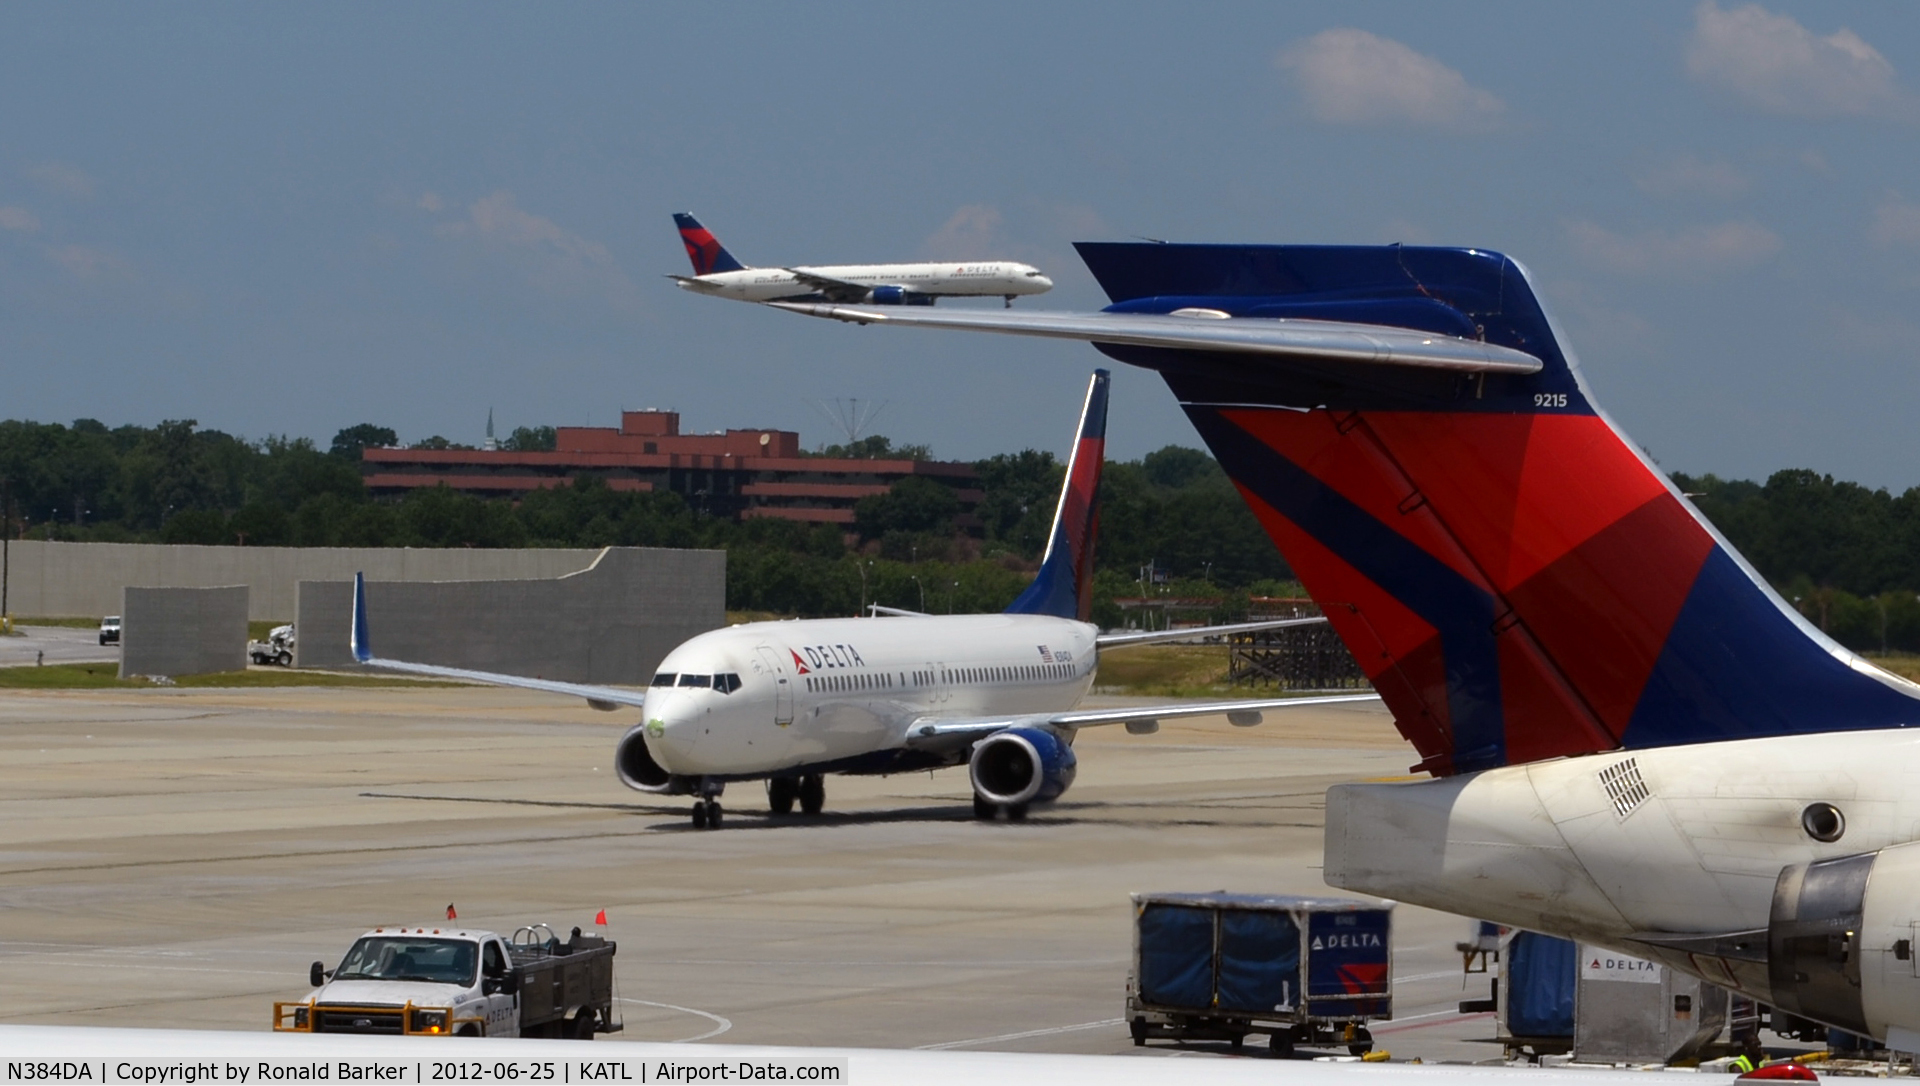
pixel 1022 765
pixel 637 769
pixel 897 296
pixel 1841 943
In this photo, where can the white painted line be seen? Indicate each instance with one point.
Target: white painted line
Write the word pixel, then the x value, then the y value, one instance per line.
pixel 723 1027
pixel 1019 1036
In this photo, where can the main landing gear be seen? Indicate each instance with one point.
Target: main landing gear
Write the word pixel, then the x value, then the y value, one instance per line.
pixel 810 791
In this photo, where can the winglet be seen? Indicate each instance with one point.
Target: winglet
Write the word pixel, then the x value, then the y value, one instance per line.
pixel 357 639
pixel 705 250
pixel 1064 585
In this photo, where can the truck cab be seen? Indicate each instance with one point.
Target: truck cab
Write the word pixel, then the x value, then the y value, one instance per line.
pixel 462 983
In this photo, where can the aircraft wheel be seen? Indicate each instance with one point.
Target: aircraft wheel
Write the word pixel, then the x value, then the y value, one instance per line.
pixel 984 809
pixel 1016 812
pixel 700 815
pixel 781 792
pixel 713 814
pixel 813 794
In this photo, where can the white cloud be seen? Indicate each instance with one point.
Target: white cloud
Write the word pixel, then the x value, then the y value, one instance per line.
pixel 1775 64
pixel 553 257
pixel 18 218
pixel 88 262
pixel 970 233
pixel 62 178
pixel 1348 76
pixel 1688 175
pixel 1693 250
pixel 1895 222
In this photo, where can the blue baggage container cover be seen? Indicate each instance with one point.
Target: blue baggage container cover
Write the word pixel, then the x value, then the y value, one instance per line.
pixel 1176 956
pixel 1259 960
pixel 1540 973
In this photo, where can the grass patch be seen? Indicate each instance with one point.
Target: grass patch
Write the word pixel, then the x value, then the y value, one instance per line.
pixel 1181 671
pixel 1904 664
pixel 81 623
pixel 102 676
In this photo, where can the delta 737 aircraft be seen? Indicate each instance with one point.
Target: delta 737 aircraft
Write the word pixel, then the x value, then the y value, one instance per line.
pixel 716 272
pixel 789 702
pixel 1636 742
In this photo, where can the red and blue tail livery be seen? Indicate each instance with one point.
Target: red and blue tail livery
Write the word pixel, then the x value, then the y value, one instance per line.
pixel 705 250
pixel 1518 581
pixel 1064 586
pixel 1516 578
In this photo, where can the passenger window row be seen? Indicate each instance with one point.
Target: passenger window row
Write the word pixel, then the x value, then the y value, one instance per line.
pixel 844 683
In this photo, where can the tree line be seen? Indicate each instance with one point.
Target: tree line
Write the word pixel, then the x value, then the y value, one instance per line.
pixel 1846 555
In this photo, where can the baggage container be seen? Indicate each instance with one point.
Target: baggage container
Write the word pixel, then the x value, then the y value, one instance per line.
pixel 1305 971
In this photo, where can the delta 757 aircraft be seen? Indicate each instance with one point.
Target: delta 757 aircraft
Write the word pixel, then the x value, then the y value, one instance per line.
pixel 788 702
pixel 1638 744
pixel 716 272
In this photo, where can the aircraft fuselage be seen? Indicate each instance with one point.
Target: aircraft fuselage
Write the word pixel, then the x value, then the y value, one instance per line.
pixel 988 279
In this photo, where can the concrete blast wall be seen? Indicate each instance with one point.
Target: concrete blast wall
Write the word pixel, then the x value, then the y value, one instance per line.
pixel 85 579
pixel 609 623
pixel 182 631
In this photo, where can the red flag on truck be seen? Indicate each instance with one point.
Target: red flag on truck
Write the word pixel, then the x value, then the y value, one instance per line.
pixel 451 915
pixel 600 918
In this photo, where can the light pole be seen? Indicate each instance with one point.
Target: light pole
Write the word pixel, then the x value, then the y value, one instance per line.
pixel 923 591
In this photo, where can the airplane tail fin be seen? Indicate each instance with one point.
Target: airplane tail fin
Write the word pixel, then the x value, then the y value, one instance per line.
pixel 1516 578
pixel 357 633
pixel 1064 585
pixel 705 250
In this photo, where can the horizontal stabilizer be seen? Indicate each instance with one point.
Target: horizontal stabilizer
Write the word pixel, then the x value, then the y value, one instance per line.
pixel 1109 641
pixel 1328 341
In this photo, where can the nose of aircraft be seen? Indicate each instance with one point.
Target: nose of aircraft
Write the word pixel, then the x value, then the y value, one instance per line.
pixel 674 726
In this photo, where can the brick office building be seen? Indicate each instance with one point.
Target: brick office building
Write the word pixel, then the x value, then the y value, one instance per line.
pixel 738 474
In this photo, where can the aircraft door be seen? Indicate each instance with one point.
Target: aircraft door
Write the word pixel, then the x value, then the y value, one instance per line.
pixel 938 691
pixel 782 685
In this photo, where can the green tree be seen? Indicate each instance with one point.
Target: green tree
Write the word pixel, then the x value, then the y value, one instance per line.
pixel 348 442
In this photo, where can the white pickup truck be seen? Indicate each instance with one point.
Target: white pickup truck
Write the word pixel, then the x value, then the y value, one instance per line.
pixel 461 983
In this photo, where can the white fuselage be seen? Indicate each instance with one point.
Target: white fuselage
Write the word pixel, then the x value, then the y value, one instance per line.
pixel 828 692
pixel 994 278
pixel 1669 841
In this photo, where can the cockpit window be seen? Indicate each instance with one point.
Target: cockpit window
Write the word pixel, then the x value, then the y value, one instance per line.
pixel 696 680
pixel 726 684
pixel 664 678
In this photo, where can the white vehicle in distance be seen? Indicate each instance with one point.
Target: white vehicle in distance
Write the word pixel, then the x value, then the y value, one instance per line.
pixel 453 982
pixel 110 630
pixel 276 649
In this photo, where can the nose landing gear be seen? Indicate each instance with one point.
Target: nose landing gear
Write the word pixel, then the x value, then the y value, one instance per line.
pixel 706 809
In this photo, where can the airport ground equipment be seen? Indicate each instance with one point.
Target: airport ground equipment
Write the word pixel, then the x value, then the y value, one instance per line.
pixel 110 630
pixel 276 649
pixel 1306 971
pixel 1533 995
pixel 450 981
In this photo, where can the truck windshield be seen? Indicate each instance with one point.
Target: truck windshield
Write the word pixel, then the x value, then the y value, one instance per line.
pixel 399 957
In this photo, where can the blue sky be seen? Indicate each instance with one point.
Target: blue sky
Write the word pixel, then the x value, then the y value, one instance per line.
pixel 289 219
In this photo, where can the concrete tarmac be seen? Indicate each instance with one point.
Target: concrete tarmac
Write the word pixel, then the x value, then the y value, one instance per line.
pixel 55 645
pixel 177 858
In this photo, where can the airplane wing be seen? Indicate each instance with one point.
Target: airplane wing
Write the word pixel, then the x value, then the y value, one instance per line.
pixel 605 698
pixel 1109 641
pixel 1209 330
pixel 950 733
pixel 839 290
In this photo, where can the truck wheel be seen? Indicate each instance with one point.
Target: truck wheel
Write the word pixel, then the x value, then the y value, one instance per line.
pixel 1361 1042
pixel 580 1027
pixel 468 1030
pixel 1281 1043
pixel 1237 1041
pixel 285 659
pixel 1138 1027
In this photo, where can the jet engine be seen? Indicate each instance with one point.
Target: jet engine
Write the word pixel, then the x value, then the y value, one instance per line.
pixel 1019 766
pixel 1841 939
pixel 897 296
pixel 637 769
